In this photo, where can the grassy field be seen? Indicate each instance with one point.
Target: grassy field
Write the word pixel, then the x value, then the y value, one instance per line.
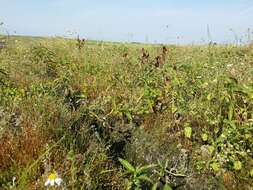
pixel 116 116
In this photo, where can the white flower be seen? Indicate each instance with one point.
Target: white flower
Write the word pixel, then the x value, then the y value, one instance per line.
pixel 53 179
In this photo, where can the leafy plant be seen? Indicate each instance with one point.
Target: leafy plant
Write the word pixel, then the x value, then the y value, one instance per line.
pixel 137 175
pixel 188 132
pixel 162 172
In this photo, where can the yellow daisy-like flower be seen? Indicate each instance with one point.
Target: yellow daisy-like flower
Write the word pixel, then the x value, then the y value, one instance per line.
pixel 53 179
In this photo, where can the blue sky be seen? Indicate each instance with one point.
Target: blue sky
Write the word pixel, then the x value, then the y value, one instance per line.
pixel 165 21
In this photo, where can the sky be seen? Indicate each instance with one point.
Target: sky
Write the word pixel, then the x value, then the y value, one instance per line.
pixel 151 21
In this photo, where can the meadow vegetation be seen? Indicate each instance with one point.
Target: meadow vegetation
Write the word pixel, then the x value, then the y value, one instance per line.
pixel 125 116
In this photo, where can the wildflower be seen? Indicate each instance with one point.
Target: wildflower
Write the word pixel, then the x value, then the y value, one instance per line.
pixel 53 179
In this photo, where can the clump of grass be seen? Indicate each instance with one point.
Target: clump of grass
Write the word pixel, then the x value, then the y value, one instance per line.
pixel 18 151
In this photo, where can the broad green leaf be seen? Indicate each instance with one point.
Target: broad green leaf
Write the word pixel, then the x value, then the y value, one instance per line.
pixel 209 97
pixel 237 165
pixel 251 173
pixel 127 165
pixel 211 149
pixel 167 187
pixel 144 168
pixel 174 108
pixel 215 166
pixel 188 132
pixel 154 187
pixel 247 136
pixel 216 130
pixel 145 178
pixel 204 137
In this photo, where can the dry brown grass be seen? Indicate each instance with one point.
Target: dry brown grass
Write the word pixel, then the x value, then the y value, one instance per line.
pixel 20 149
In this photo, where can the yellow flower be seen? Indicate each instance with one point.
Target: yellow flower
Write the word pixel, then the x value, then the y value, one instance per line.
pixel 53 179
